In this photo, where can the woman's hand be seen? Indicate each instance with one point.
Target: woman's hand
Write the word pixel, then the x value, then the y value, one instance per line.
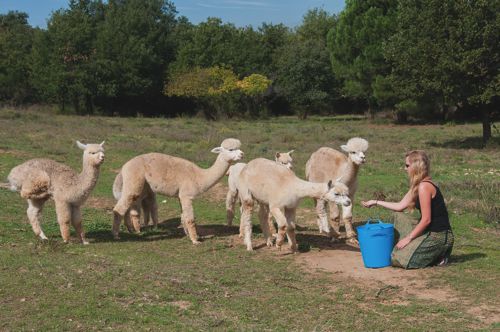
pixel 403 242
pixel 369 203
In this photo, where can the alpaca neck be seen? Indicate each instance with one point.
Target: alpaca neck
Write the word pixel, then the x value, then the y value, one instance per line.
pixel 212 175
pixel 350 173
pixel 88 177
pixel 310 189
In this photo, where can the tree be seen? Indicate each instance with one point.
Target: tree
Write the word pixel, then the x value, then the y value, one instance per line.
pixel 215 89
pixel 448 53
pixel 303 71
pixel 355 45
pixel 134 47
pixel 16 38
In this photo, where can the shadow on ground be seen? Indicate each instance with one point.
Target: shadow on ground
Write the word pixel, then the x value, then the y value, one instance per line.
pixel 167 229
pixel 467 143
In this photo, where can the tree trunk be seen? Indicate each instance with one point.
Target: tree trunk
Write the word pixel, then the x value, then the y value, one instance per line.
pixel 486 124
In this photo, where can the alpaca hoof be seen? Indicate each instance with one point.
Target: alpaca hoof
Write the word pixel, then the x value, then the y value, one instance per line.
pixel 269 243
pixel 116 237
pixel 196 242
pixel 85 242
pixel 43 237
pixel 250 248
pixel 240 236
pixel 352 241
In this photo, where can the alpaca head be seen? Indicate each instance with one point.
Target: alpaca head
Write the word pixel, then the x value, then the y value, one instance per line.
pixel 356 148
pixel 284 158
pixel 337 193
pixel 92 153
pixel 229 150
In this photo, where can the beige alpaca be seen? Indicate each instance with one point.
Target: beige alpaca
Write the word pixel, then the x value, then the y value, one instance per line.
pixel 282 158
pixel 41 179
pixel 172 176
pixel 279 191
pixel 327 163
pixel 147 204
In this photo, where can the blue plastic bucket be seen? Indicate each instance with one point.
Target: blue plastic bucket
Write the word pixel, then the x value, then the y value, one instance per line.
pixel 376 240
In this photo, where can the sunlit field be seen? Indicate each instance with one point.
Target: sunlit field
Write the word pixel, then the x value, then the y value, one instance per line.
pixel 158 280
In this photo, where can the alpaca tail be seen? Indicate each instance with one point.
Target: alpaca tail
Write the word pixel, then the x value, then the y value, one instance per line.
pixel 117 186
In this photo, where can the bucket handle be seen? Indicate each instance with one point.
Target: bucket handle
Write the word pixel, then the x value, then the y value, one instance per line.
pixel 375 222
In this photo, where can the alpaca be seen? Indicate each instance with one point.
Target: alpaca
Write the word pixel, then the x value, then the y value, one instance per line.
pixel 172 176
pixel 281 158
pixel 148 205
pixel 279 191
pixel 327 163
pixel 41 179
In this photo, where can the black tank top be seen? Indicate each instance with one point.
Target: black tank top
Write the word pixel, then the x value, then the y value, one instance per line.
pixel 439 213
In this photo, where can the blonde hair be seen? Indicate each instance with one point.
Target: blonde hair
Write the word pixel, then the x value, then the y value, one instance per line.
pixel 419 169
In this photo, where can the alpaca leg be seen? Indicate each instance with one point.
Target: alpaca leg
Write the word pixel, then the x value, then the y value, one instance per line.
pixel 230 203
pixel 282 225
pixel 246 222
pixel 34 215
pixel 270 222
pixel 76 220
pixel 334 220
pixel 135 218
pixel 146 210
pixel 187 218
pixel 130 193
pixel 290 229
pixel 63 211
pixel 347 217
pixel 322 216
pixel 154 210
pixel 264 223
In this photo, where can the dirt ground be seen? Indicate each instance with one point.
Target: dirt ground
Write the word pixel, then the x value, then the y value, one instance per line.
pixel 344 262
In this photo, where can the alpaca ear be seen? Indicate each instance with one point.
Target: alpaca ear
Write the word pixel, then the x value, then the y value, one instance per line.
pixel 217 150
pixel 344 147
pixel 277 155
pixel 330 184
pixel 102 143
pixel 80 145
pixel 291 151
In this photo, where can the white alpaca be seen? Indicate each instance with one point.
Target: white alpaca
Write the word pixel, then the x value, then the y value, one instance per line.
pixel 41 179
pixel 172 176
pixel 148 205
pixel 279 191
pixel 327 163
pixel 281 158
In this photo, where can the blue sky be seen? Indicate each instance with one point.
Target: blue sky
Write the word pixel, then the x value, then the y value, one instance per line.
pixel 239 12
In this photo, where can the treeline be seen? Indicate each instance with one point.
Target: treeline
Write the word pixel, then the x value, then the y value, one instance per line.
pixel 429 60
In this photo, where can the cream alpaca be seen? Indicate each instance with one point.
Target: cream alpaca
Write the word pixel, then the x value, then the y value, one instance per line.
pixel 41 179
pixel 148 205
pixel 282 158
pixel 327 163
pixel 279 191
pixel 172 176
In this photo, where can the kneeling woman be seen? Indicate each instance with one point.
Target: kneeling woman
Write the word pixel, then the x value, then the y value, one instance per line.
pixel 428 241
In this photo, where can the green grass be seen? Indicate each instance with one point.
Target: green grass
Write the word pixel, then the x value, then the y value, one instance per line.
pixel 159 281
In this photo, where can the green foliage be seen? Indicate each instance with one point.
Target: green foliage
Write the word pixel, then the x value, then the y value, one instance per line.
pixel 216 88
pixel 302 66
pixel 16 39
pixel 447 52
pixel 254 85
pixel 355 45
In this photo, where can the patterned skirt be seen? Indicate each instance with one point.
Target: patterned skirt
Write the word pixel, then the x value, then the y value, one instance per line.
pixel 428 249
